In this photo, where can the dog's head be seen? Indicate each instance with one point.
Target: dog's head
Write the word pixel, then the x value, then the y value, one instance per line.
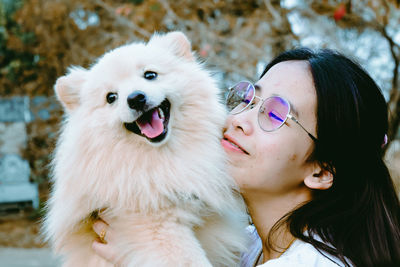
pixel 140 89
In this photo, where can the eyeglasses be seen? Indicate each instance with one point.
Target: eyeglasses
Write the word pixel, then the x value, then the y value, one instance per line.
pixel 273 113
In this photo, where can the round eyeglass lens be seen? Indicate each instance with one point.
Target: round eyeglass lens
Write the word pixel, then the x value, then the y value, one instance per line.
pixel 239 97
pixel 273 113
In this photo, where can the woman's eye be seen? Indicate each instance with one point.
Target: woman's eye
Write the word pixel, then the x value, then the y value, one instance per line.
pixel 274 116
pixel 251 104
pixel 150 75
pixel 111 97
pixel 247 100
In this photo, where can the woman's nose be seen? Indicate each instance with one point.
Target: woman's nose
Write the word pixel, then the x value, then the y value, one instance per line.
pixel 244 121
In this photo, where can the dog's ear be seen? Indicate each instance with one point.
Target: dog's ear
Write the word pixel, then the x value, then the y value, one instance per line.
pixel 177 42
pixel 67 88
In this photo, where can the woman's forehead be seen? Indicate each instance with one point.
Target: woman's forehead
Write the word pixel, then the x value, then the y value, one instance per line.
pixel 289 79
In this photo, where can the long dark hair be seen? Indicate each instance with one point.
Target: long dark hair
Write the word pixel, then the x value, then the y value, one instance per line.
pixel 358 218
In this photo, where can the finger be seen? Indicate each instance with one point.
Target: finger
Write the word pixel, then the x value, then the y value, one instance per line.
pixel 99 225
pixel 104 251
pixel 102 230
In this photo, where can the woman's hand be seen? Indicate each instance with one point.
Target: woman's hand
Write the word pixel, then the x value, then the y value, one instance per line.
pixel 103 246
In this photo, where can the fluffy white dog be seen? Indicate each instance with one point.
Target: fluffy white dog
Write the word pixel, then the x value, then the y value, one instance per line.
pixel 141 143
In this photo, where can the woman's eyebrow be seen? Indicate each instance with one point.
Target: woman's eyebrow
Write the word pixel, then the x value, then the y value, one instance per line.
pixel 257 87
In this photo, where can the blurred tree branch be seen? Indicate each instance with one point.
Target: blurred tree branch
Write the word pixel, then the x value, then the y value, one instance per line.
pixel 122 20
pixel 394 99
pixel 378 18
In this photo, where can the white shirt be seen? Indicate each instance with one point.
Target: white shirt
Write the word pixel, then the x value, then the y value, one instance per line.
pixel 299 254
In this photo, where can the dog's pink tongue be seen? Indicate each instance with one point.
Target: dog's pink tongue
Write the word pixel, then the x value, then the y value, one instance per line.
pixel 153 128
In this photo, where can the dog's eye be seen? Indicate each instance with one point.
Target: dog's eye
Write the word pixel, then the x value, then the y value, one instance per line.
pixel 111 97
pixel 150 75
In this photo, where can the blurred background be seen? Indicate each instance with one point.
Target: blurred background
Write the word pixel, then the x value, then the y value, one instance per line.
pixel 39 39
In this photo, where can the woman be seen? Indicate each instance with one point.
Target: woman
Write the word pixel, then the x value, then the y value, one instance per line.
pixel 306 149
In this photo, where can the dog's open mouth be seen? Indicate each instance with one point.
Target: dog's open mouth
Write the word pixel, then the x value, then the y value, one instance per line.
pixel 153 124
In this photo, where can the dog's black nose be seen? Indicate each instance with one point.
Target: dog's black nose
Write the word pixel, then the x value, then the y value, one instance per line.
pixel 137 100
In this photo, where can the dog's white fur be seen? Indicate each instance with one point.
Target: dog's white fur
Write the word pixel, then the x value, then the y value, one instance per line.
pixel 171 204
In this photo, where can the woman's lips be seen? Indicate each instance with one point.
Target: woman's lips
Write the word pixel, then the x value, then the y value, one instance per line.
pixel 231 145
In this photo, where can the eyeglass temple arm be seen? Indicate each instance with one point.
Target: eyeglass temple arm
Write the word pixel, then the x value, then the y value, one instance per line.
pixel 296 121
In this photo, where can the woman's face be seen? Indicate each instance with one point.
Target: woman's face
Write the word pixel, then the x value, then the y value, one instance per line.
pixel 274 162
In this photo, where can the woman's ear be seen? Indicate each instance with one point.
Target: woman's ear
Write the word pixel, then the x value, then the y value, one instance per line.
pixel 319 179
